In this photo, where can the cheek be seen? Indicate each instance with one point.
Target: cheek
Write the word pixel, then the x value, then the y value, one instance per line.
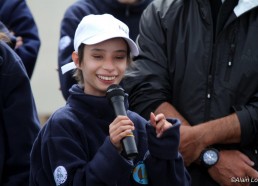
pixel 86 69
pixel 122 67
pixel 87 65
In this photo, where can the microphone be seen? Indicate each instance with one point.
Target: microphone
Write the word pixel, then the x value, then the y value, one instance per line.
pixel 115 94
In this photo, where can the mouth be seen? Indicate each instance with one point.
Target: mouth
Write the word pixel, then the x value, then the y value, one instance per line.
pixel 106 78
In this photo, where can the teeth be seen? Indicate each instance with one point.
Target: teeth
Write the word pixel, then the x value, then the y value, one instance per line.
pixel 107 78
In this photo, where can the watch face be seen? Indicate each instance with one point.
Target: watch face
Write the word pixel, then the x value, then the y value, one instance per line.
pixel 210 157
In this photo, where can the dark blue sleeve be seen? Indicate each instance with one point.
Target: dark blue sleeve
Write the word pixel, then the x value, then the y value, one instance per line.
pixel 19 120
pixel 69 23
pixel 164 164
pixel 18 18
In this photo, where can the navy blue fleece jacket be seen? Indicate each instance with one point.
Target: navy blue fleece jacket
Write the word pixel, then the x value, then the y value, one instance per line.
pixel 74 148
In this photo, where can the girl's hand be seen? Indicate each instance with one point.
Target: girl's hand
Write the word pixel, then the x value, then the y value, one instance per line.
pixel 160 123
pixel 121 127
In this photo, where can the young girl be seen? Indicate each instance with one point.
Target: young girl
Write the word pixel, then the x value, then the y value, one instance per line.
pixel 81 143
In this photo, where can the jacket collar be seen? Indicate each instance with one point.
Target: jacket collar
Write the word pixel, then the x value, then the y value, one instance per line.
pixel 99 106
pixel 244 6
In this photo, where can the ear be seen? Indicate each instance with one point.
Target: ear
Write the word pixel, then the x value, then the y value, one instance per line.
pixel 75 58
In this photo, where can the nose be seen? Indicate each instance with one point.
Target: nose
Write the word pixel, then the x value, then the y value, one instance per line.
pixel 108 65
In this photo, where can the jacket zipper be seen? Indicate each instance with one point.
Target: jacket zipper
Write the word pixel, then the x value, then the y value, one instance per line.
pixel 229 63
pixel 212 68
pixel 209 88
pixel 231 51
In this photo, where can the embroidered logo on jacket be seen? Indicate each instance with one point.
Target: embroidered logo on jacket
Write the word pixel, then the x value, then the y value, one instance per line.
pixel 60 175
pixel 140 174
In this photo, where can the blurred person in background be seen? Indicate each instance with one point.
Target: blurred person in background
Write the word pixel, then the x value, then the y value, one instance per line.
pixel 19 124
pixel 7 36
pixel 17 17
pixel 128 11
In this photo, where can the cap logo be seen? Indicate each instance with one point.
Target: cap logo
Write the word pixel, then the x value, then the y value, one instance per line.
pixel 123 29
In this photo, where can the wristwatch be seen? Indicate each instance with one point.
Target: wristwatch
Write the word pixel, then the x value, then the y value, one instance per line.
pixel 209 157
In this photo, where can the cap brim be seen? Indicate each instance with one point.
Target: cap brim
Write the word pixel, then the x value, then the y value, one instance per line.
pixel 103 37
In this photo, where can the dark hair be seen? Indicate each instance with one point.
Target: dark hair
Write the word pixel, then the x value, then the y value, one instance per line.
pixel 78 72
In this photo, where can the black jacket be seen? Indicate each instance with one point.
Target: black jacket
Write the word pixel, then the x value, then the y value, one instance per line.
pixel 18 18
pixel 19 122
pixel 179 63
pixel 130 15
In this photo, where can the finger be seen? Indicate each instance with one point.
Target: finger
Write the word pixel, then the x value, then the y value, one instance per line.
pixel 161 130
pixel 152 119
pixel 246 159
pixel 158 123
pixel 159 127
pixel 251 173
pixel 118 125
pixel 161 124
pixel 159 117
pixel 122 133
pixel 118 119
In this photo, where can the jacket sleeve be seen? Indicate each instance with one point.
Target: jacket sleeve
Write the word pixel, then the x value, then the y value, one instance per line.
pixel 147 81
pixel 20 120
pixel 248 118
pixel 66 159
pixel 69 23
pixel 164 164
pixel 19 20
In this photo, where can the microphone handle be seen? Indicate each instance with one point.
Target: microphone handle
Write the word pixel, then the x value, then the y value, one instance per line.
pixel 118 104
pixel 129 147
pixel 128 142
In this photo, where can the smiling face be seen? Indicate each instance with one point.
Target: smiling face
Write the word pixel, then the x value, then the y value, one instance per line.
pixel 102 64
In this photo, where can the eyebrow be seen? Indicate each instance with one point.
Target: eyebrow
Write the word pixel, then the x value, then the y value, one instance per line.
pixel 102 50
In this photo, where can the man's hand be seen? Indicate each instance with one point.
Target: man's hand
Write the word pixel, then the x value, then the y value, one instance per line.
pixel 232 167
pixel 191 143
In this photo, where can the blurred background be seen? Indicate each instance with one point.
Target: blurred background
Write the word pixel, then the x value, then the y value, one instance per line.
pixel 45 81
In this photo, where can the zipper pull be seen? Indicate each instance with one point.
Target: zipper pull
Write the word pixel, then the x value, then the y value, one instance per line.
pixel 209 86
pixel 232 51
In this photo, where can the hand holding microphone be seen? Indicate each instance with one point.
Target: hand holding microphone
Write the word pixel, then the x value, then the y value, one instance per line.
pixel 121 128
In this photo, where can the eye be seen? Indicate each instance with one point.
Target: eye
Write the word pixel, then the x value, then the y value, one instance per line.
pixel 120 57
pixel 97 57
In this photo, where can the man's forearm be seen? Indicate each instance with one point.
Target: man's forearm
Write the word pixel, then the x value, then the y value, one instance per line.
pixel 169 111
pixel 221 131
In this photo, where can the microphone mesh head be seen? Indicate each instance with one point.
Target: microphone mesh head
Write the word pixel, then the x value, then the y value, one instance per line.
pixel 114 90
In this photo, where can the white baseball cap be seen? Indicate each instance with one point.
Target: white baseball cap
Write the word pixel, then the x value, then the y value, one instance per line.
pixel 97 28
